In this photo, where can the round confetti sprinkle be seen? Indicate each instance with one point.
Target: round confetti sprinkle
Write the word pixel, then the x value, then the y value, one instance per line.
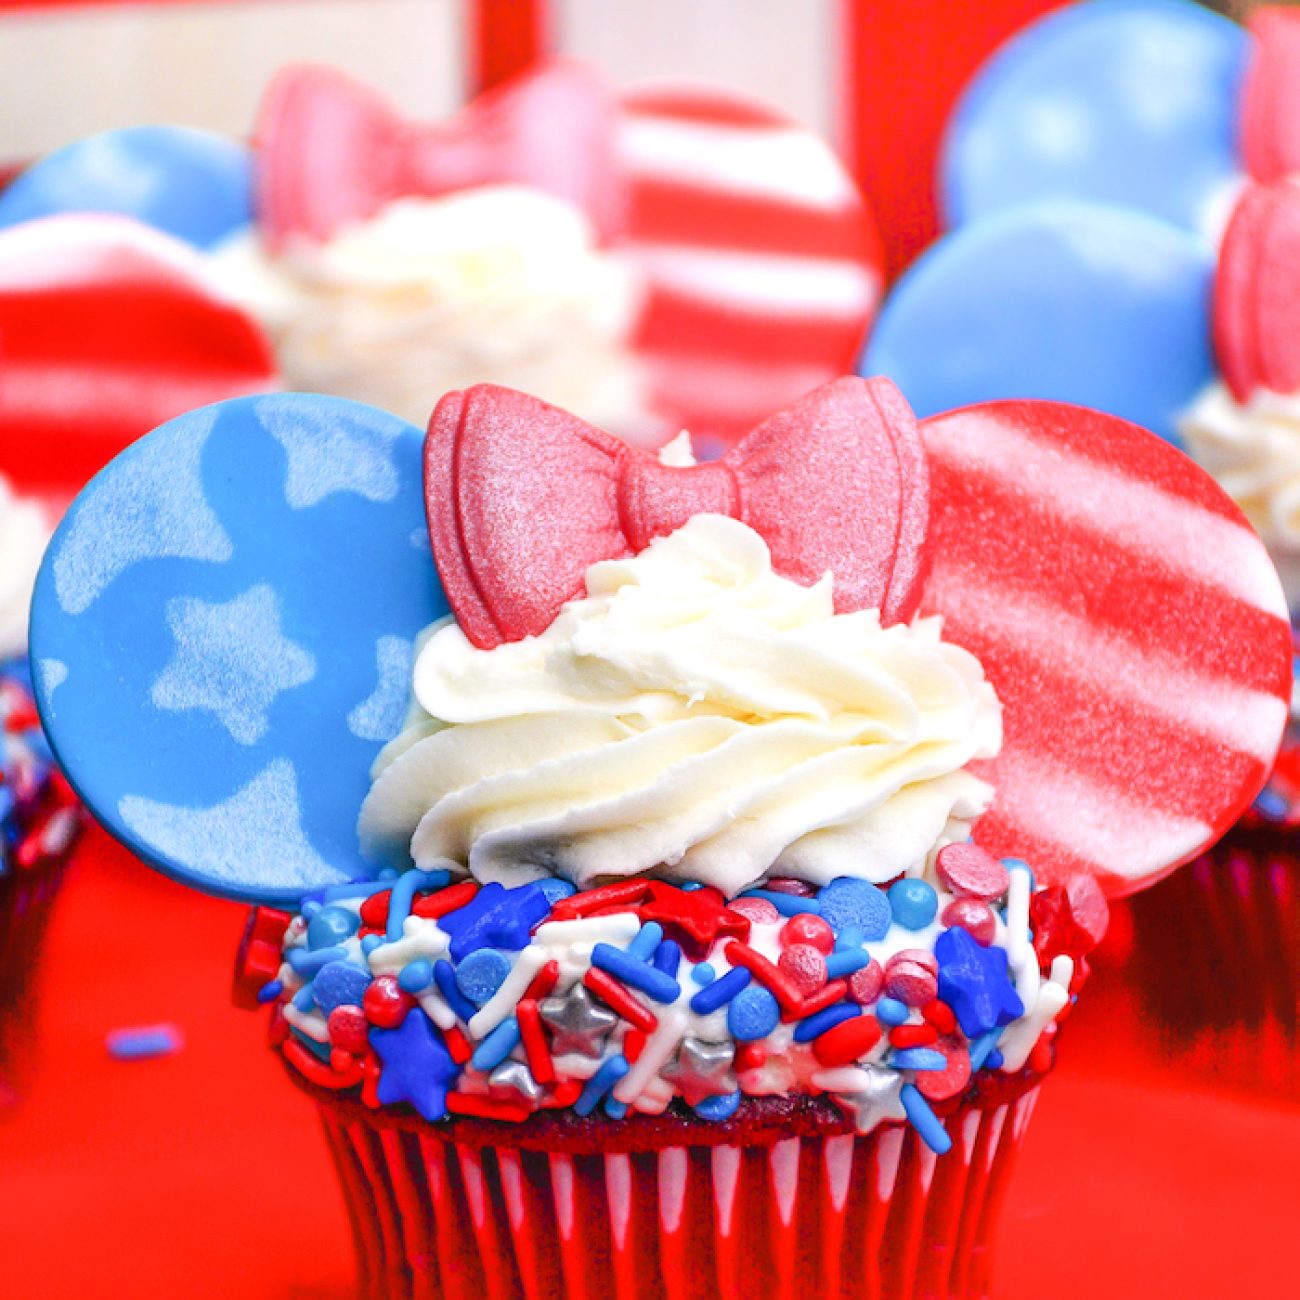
pixel 970 871
pixel 752 1014
pixel 939 1085
pixel 348 1029
pixel 975 917
pixel 848 902
pixel 910 983
pixel 339 984
pixel 867 984
pixel 481 973
pixel 331 925
pixel 913 903
pixel 804 966
pixel 719 1108
pixel 808 928
pixel 757 910
pixel 788 885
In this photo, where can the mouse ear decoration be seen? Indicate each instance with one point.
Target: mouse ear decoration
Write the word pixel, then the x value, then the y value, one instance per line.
pixel 1257 292
pixel 1131 623
pixel 109 328
pixel 331 152
pixel 238 592
pixel 1270 97
pixel 524 497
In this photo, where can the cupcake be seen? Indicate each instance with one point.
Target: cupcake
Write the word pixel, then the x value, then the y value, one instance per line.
pixel 660 260
pixel 673 878
pixel 38 821
pixel 1093 276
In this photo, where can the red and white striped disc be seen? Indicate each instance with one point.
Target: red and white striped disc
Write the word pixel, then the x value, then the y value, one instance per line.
pixel 1131 622
pixel 109 328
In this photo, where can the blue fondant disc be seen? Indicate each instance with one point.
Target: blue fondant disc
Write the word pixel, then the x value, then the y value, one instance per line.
pixel 1073 303
pixel 191 184
pixel 1130 102
pixel 222 634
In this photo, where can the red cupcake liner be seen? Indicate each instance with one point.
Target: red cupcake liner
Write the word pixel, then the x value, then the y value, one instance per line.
pixel 26 897
pixel 830 1215
pixel 1215 962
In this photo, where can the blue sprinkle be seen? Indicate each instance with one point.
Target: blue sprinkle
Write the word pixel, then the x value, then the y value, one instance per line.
pixel 303 962
pixel 848 903
pixel 615 1109
pixel 599 1084
pixel 270 991
pixel 890 1011
pixel 444 976
pixel 642 948
pixel 340 985
pixel 703 973
pixel 1019 864
pixel 496 1046
pixel 1271 804
pixel 405 889
pixel 309 907
pixel 718 1108
pixel 690 886
pixel 371 942
pixel 924 1120
pixel 839 964
pixel 387 875
pixel 554 889
pixel 353 889
pixel 667 958
pixel 653 983
pixel 913 903
pixel 982 1047
pixel 330 926
pixel 481 973
pixel 753 1014
pixel 140 1044
pixel 415 976
pixel 818 1023
pixel 720 991
pixel 918 1058
pixel 851 937
pixel 304 1000
pixel 995 1060
pixel 786 904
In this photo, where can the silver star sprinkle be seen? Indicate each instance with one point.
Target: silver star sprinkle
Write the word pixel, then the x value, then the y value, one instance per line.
pixel 702 1070
pixel 577 1022
pixel 514 1077
pixel 879 1101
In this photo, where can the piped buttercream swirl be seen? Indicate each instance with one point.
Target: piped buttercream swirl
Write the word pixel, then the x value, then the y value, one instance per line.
pixel 695 715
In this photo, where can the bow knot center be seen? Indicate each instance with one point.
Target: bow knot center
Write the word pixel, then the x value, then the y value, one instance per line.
pixel 655 500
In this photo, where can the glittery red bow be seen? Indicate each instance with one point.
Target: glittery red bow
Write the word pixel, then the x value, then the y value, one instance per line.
pixel 331 152
pixel 523 497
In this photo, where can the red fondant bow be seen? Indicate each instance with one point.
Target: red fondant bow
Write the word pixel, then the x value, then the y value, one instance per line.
pixel 1270 106
pixel 330 152
pixel 523 497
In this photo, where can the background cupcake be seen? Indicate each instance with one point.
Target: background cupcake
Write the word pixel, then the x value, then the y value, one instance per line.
pixel 524 1029
pixel 1117 179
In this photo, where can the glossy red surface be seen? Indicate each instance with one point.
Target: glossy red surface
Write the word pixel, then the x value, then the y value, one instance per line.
pixel 205 1174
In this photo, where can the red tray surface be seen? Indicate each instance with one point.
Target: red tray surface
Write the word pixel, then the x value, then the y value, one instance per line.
pixel 203 1173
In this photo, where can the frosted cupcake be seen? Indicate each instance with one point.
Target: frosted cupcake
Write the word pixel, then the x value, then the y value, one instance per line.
pixel 661 918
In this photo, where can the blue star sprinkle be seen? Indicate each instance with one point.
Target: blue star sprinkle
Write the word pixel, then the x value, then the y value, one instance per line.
pixel 496 918
pixel 974 982
pixel 416 1065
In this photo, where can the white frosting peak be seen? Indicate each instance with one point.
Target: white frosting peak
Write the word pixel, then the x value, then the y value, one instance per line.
pixel 696 715
pixel 1253 449
pixel 502 284
pixel 24 532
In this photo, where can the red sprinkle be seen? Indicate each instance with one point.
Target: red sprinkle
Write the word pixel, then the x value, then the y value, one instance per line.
pixel 348 1028
pixel 1040 1059
pixel 757 910
pixel 466 1103
pixel 633 1045
pixel 967 869
pixel 533 1038
pixel 564 1096
pixel 442 901
pixel 340 1060
pixel 316 1071
pixel 385 1003
pixel 940 1015
pixel 828 997
pixel 370 1081
pixel 913 1036
pixel 458 1046
pixel 804 966
pixel 777 983
pixel 750 1056
pixel 543 982
pixel 867 983
pixel 374 911
pixel 631 1008
pixel 847 1041
pixel 973 916
pixel 788 885
pixel 808 928
pixel 626 894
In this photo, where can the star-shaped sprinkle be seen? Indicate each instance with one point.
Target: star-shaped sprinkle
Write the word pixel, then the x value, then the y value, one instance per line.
pixel 578 1023
pixel 231 659
pixel 513 1081
pixel 879 1101
pixel 496 917
pixel 416 1065
pixel 702 1070
pixel 973 981
pixel 695 918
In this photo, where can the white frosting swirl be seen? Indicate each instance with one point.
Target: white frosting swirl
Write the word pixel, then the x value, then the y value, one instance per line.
pixel 24 531
pixel 696 715
pixel 502 284
pixel 1253 449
